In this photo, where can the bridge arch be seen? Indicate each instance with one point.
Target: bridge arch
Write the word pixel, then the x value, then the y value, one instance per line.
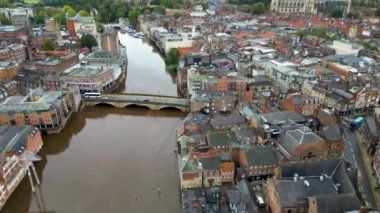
pixel 167 108
pixel 139 106
pixel 105 105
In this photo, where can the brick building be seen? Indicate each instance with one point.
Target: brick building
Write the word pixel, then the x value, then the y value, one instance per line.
pixel 13 33
pixel 46 110
pixel 372 134
pixel 258 161
pixel 57 66
pixel 13 52
pixel 16 142
pixel 315 186
pixel 110 41
pixel 8 70
pixel 225 83
pixel 303 104
pixel 376 166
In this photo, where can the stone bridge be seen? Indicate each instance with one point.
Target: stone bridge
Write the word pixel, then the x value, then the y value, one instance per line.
pixel 153 102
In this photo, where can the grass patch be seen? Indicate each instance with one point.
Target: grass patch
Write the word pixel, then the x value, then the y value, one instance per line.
pixel 32 1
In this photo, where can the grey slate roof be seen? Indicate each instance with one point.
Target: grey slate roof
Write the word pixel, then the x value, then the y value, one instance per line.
pixel 332 133
pixel 292 139
pixel 337 203
pixel 261 156
pixel 302 189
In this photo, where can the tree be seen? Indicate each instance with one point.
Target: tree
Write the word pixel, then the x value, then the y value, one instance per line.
pixel 5 20
pixel 88 41
pixel 83 13
pixel 159 9
pixel 71 12
pixel 40 18
pixel 177 14
pixel 49 45
pixel 172 58
pixel 377 12
pixel 303 33
pixel 165 24
pixel 337 13
pixel 258 8
pixel 133 17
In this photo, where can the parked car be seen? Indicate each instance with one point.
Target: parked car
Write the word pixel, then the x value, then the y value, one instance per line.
pixel 260 200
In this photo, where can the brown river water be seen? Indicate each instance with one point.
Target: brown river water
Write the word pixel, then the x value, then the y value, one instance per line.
pixel 112 160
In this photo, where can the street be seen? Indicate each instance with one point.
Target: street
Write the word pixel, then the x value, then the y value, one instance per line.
pixel 353 154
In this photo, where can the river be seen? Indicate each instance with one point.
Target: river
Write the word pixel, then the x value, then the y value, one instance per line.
pixel 111 160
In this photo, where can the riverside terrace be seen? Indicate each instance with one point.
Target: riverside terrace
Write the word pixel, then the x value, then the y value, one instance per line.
pixel 153 102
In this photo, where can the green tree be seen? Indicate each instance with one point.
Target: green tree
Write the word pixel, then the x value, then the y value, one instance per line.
pixel 71 12
pixel 4 3
pixel 245 8
pixel 337 13
pixel 83 13
pixel 5 20
pixel 133 17
pixel 172 58
pixel 100 27
pixel 159 9
pixel 303 33
pixel 165 24
pixel 49 45
pixel 177 14
pixel 40 18
pixel 377 12
pixel 146 12
pixel 167 3
pixel 258 8
pixel 88 41
pixel 60 17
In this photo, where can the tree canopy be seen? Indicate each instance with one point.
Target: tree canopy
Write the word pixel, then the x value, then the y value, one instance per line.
pixel 172 58
pixel 88 41
pixel 49 45
pixel 133 17
pixel 258 8
pixel 337 13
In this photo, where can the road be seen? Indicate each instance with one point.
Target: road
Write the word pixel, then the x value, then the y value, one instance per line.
pixel 353 154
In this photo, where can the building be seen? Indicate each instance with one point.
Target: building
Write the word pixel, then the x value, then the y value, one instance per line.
pixel 376 166
pixel 53 82
pixel 326 186
pixel 57 65
pixel 306 105
pixel 20 17
pixel 51 25
pixel 110 41
pixel 371 134
pixel 258 161
pixel 8 70
pixel 12 33
pixel 213 101
pixel 333 136
pixel 46 110
pixel 237 84
pixel 310 7
pixel 300 144
pixel 200 172
pixel 15 143
pixel 92 78
pixel 13 52
pixel 80 25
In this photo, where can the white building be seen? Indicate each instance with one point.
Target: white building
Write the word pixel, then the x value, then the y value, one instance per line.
pixel 84 25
